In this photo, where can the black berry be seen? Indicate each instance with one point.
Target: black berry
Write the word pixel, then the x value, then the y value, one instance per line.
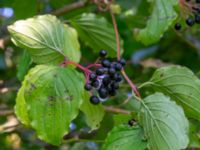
pixel 88 87
pixel 118 66
pixel 102 53
pixel 105 63
pixel 111 71
pixel 190 22
pixel 197 18
pixel 122 62
pixel 106 80
pixel 177 26
pixel 94 100
pixel 117 77
pixel 92 76
pixel 95 84
pixel 100 71
pixel 103 93
pixel 132 122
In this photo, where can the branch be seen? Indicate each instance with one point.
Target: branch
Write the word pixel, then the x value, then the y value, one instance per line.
pixel 116 110
pixel 6 112
pixel 70 7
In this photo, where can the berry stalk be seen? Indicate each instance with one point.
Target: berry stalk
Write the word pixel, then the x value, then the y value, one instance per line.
pixel 116 34
pixel 134 88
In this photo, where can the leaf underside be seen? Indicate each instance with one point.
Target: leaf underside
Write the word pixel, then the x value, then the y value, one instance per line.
pixel 165 125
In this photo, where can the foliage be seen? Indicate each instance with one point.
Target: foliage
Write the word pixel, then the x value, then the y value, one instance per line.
pixel 44 79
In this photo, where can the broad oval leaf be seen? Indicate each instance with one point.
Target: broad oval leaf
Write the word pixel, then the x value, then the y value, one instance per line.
pixel 96 32
pixel 94 113
pixel 160 20
pixel 53 96
pixel 124 137
pixel 165 125
pixel 181 85
pixel 46 39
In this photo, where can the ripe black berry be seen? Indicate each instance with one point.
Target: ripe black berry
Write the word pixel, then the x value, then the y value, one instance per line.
pixel 100 71
pixel 190 22
pixel 197 18
pixel 95 84
pixel 111 71
pixel 103 93
pixel 88 87
pixel 105 63
pixel 122 62
pixel 102 53
pixel 94 100
pixel 117 77
pixel 177 26
pixel 118 66
pixel 132 122
pixel 92 76
pixel 106 80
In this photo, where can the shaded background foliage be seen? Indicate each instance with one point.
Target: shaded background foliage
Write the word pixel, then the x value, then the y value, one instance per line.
pixel 173 48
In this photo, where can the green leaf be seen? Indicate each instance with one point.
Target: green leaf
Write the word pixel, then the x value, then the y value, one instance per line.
pixel 181 85
pixel 46 39
pixel 24 64
pixel 21 106
pixel 96 32
pixel 194 131
pixel 20 5
pixel 121 119
pixel 94 113
pixel 53 96
pixel 164 122
pixel 160 20
pixel 125 138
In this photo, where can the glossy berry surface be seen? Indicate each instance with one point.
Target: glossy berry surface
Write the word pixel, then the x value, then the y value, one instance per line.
pixel 190 22
pixel 177 26
pixel 93 76
pixel 104 81
pixel 100 71
pixel 95 84
pixel 88 87
pixel 94 100
pixel 103 93
pixel 105 63
pixel 102 53
pixel 122 62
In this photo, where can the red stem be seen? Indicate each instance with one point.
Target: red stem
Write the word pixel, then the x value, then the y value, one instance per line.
pixel 116 34
pixel 134 88
pixel 93 65
pixel 77 65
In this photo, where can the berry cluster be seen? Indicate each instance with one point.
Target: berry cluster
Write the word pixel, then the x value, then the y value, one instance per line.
pixel 105 79
pixel 194 13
